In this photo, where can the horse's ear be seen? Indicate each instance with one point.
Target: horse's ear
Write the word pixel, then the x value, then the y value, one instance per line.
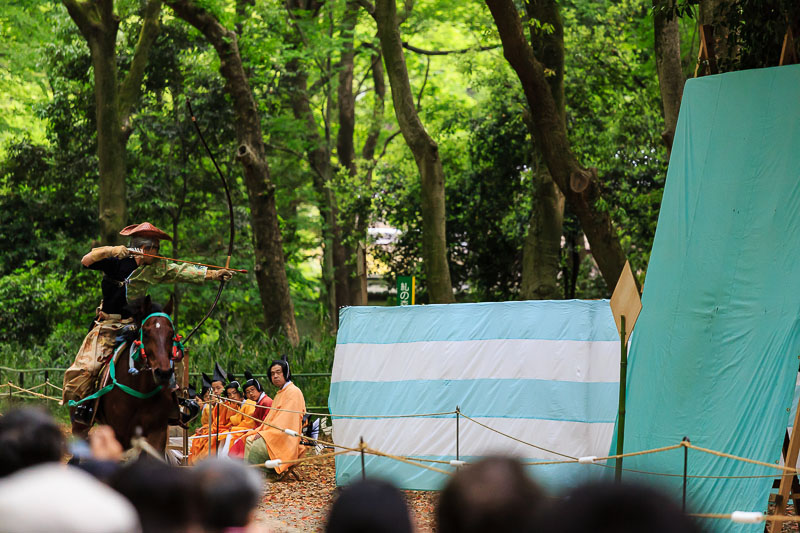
pixel 169 306
pixel 147 303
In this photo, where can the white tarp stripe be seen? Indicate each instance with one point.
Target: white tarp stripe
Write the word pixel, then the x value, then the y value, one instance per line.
pixel 556 360
pixel 425 437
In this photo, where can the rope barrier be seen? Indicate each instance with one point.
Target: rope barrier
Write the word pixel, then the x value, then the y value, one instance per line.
pixel 220 434
pixel 39 386
pixel 331 415
pixel 747 517
pixel 643 452
pixel 788 471
pixel 48 382
pixel 307 459
pixel 519 440
pixel 265 423
pixel 33 393
pixel 737 458
pixel 141 444
pixel 404 460
pixel 665 474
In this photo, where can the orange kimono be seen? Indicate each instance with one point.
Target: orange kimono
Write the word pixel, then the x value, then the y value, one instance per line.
pixel 199 448
pixel 279 445
pixel 240 421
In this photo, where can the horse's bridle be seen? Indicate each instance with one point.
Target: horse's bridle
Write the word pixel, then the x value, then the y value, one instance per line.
pixel 137 347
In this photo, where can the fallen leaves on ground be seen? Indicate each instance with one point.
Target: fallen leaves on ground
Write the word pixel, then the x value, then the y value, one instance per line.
pixel 290 506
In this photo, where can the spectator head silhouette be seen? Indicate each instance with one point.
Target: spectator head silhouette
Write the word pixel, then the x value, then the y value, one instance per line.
pixel 369 506
pixel 494 494
pixel 28 437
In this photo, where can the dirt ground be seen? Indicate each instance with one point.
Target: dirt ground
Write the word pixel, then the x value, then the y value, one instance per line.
pixel 295 506
pixel 292 506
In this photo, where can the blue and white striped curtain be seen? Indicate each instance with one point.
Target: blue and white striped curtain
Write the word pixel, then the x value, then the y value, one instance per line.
pixel 544 372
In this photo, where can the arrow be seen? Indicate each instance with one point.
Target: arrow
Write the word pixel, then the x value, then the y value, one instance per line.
pixel 137 252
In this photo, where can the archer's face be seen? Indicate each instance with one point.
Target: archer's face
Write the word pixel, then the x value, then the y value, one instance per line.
pixel 218 388
pixel 152 250
pixel 234 394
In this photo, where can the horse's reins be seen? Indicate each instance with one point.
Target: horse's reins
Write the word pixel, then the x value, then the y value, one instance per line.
pixel 137 348
pixel 177 355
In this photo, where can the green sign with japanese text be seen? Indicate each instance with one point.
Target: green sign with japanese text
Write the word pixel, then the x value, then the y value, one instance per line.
pixel 405 290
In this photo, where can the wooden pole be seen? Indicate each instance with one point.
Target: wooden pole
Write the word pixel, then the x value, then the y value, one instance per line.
pixel 219 415
pixel 210 425
pixel 623 374
pixel 185 458
pixel 782 499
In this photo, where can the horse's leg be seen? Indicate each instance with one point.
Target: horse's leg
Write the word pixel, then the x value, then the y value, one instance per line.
pixel 79 431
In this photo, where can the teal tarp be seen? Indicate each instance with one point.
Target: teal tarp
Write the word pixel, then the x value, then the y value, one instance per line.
pixel 715 352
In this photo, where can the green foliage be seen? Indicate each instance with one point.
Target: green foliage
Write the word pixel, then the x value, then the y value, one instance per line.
pixel 755 32
pixel 471 104
pixel 614 114
pixel 23 292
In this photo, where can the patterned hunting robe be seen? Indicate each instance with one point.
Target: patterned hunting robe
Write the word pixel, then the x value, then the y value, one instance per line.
pixel 123 280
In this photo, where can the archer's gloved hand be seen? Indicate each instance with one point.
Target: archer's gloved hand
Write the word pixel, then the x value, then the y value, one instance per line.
pixel 120 252
pixel 219 275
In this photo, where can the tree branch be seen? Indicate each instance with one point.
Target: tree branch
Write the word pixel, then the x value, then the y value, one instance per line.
pixel 299 156
pixel 368 7
pixel 379 84
pixel 130 87
pixel 386 144
pixel 79 12
pixel 417 50
pixel 424 82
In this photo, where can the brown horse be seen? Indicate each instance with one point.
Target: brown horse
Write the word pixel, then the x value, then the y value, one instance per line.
pixel 143 400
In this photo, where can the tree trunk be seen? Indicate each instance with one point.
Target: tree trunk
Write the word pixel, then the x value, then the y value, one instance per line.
pixel 99 24
pixel 668 65
pixel 426 155
pixel 352 231
pixel 318 154
pixel 318 151
pixel 578 184
pixel 541 250
pixel 708 12
pixel 345 148
pixel 269 268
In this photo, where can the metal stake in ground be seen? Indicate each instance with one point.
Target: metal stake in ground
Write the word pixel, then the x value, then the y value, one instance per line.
pixel 685 462
pixel 458 416
pixel 363 472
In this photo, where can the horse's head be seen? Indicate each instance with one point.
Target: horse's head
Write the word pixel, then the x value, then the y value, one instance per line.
pixel 157 336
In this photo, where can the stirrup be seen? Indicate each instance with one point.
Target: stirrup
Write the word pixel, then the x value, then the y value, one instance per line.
pixel 83 414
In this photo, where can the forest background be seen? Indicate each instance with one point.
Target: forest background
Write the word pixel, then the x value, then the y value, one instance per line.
pixel 520 148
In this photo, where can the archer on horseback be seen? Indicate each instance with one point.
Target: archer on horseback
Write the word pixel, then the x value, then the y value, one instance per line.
pixel 128 272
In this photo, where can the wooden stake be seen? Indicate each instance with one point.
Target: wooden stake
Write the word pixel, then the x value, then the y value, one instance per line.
pixel 788 53
pixel 706 58
pixel 790 459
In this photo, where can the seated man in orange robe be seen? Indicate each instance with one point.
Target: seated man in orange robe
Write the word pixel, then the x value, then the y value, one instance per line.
pixel 269 440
